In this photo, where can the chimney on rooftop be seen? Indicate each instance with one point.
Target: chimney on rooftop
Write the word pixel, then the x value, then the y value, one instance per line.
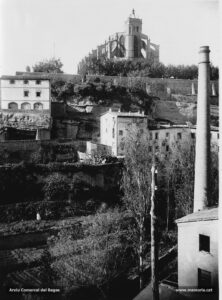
pixel 202 158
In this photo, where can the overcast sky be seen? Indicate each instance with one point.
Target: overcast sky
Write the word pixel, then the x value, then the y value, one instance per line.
pixel 32 30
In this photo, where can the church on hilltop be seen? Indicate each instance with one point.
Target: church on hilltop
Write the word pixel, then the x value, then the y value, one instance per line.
pixel 129 44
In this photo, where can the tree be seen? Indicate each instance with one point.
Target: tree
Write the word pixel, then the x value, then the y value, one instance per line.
pixel 178 181
pixel 52 65
pixel 136 188
pixel 28 69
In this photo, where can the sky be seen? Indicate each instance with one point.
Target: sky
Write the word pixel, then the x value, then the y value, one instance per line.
pixel 34 30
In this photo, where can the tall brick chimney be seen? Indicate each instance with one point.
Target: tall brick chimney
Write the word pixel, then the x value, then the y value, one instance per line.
pixel 202 159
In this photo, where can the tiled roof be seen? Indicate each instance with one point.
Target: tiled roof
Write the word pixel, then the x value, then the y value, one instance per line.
pixel 202 215
pixel 25 77
pixel 125 114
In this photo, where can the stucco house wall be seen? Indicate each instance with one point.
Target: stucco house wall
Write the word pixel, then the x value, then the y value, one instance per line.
pixel 15 92
pixel 189 256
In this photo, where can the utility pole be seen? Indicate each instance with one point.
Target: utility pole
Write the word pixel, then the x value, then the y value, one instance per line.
pixel 154 237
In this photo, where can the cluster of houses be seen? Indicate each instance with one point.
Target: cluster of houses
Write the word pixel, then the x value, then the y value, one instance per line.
pixel 25 107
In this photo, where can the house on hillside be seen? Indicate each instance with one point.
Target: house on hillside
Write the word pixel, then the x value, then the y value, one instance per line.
pixel 115 126
pixel 165 138
pixel 25 107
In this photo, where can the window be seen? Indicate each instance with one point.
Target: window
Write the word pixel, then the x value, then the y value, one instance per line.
pixel 137 28
pixel 38 81
pixel 179 135
pixel 26 93
pixel 204 243
pixel 156 136
pixel 204 279
pixel 122 146
pixel 167 148
pixel 120 132
pixel 12 81
pixel 26 81
pixel 167 135
pixel 113 133
pixel 218 135
pixel 38 94
pixel 192 135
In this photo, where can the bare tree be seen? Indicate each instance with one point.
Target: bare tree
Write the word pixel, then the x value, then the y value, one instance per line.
pixel 137 190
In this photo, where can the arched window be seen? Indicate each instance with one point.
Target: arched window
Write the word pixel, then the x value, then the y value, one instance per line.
pixel 12 105
pixel 38 106
pixel 26 106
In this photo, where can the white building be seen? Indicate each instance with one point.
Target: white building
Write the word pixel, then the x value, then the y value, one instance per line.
pixel 25 107
pixel 114 127
pixel 198 249
pixel 22 92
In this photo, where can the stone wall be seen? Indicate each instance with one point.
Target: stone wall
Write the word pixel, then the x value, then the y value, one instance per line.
pixel 25 119
pixel 38 151
pixel 159 87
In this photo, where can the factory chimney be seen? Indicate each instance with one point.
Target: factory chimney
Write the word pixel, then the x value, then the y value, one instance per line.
pixel 202 158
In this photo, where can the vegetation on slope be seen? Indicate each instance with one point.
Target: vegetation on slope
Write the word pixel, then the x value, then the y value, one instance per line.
pixel 141 68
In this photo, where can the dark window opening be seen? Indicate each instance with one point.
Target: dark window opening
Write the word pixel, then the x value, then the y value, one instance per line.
pixel 38 81
pixel 113 133
pixel 12 81
pixel 167 134
pixel 156 135
pixel 38 94
pixel 204 243
pixel 204 279
pixel 167 148
pixel 179 135
pixel 120 132
pixel 192 135
pixel 26 93
pixel 26 81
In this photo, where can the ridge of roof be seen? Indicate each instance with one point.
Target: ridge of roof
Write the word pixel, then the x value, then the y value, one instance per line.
pixel 207 214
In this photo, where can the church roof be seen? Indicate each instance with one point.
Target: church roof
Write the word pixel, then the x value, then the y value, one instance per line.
pixel 202 215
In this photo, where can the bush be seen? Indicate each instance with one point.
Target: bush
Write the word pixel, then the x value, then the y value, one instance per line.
pixel 56 187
